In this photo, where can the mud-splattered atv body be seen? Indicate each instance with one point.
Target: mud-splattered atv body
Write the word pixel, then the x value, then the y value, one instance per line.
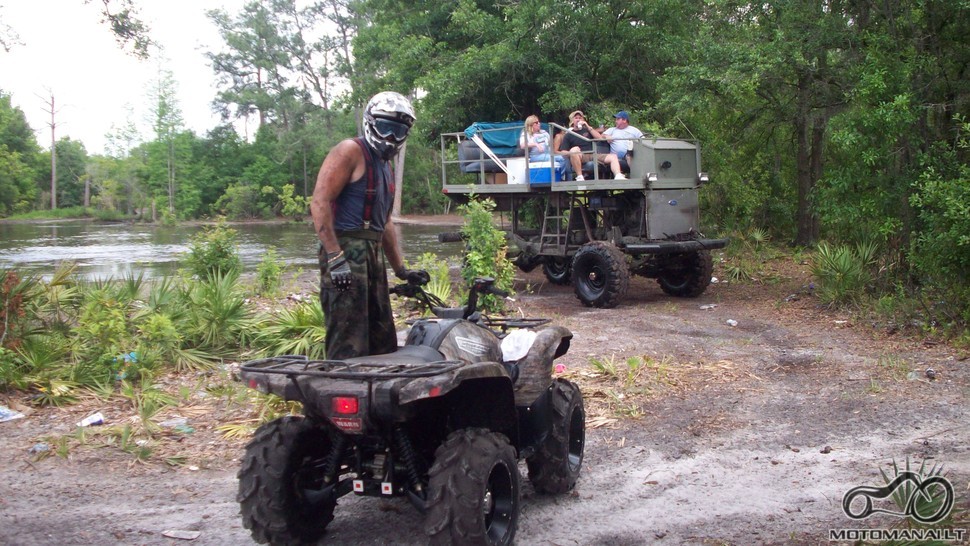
pixel 443 421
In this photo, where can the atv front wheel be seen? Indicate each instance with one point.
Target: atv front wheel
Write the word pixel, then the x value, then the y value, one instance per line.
pixel 280 483
pixel 473 490
pixel 600 275
pixel 557 270
pixel 555 466
pixel 687 275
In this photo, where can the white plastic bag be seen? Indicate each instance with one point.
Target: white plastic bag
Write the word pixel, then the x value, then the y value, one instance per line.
pixel 517 344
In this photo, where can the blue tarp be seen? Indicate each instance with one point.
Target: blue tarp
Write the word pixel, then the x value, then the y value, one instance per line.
pixel 502 138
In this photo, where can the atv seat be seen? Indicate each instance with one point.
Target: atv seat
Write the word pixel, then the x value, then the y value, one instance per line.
pixel 408 354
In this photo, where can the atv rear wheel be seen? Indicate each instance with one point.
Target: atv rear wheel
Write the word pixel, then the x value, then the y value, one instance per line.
pixel 687 275
pixel 473 490
pixel 557 270
pixel 600 275
pixel 555 466
pixel 280 483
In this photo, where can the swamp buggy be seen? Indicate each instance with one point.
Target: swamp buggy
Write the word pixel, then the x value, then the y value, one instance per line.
pixel 443 422
pixel 592 233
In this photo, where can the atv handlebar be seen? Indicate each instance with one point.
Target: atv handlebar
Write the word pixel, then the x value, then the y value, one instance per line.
pixel 481 285
pixel 486 285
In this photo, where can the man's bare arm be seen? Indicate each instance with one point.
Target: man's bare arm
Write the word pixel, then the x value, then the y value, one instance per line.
pixel 392 247
pixel 343 164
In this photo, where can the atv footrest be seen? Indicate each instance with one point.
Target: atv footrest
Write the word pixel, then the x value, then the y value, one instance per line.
pixel 374 367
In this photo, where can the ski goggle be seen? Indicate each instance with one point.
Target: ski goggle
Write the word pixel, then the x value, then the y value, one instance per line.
pixel 390 129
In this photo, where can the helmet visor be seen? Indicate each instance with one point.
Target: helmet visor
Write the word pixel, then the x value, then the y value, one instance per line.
pixel 392 130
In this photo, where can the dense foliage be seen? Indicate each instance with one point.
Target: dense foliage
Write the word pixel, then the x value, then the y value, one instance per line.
pixel 839 121
pixel 486 253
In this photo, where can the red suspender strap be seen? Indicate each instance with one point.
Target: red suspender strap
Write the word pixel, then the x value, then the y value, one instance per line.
pixel 371 193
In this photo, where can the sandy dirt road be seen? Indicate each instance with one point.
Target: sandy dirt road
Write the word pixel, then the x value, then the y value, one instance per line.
pixel 746 434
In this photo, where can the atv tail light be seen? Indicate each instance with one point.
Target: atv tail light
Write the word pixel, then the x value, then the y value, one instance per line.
pixel 259 386
pixel 345 405
pixel 652 177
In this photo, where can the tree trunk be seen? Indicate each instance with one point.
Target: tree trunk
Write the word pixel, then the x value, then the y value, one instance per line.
pixel 398 180
pixel 809 135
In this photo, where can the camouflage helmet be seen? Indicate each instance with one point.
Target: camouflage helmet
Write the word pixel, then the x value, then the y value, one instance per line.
pixel 388 118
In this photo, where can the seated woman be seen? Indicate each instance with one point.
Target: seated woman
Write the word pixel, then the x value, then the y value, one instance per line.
pixel 537 142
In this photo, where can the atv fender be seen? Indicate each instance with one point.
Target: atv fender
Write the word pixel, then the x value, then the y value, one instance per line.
pixel 535 368
pixel 443 383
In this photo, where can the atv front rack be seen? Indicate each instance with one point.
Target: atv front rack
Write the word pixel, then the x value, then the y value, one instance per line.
pixel 506 323
pixel 359 368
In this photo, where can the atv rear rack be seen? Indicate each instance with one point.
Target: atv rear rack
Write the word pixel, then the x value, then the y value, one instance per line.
pixel 361 368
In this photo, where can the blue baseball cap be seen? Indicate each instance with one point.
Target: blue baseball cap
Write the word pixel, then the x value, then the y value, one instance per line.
pixel 622 114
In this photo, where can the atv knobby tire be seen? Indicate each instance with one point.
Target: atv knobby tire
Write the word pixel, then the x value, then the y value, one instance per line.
pixel 557 270
pixel 281 470
pixel 600 275
pixel 555 466
pixel 688 275
pixel 473 490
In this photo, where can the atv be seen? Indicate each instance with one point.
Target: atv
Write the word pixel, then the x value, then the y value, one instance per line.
pixel 443 422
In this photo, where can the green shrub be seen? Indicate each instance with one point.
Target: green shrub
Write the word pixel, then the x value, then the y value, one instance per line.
pixel 486 254
pixel 242 201
pixel 293 206
pixel 440 283
pixel 213 252
pixel 269 273
pixel 296 331
pixel 217 318
pixel 941 247
pixel 842 276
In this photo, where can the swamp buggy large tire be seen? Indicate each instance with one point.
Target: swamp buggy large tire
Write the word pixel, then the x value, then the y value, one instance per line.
pixel 557 270
pixel 281 471
pixel 601 276
pixel 555 466
pixel 473 490
pixel 687 275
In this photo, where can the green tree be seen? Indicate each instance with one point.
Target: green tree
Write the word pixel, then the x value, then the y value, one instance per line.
pixel 253 69
pixel 19 157
pixel 72 161
pixel 167 122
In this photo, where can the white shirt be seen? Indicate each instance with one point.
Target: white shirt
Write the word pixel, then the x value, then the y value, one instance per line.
pixel 618 143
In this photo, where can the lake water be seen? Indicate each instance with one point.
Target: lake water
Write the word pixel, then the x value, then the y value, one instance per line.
pixel 103 250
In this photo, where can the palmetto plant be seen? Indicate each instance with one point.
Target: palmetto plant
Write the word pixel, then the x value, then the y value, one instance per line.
pixel 295 331
pixel 147 399
pixel 217 315
pixel 924 501
pixel 841 274
pixel 440 283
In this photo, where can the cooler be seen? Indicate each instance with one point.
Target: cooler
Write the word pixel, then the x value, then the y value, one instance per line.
pixel 541 173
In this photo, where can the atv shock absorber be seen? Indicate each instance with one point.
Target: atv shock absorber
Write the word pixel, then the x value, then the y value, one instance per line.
pixel 337 448
pixel 410 458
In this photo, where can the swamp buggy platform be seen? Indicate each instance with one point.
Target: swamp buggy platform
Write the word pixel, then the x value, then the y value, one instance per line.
pixel 596 232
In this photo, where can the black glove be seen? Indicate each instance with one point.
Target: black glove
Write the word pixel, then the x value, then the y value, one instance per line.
pixel 339 269
pixel 417 277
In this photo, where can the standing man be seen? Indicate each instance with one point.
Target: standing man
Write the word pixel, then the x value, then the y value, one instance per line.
pixel 621 135
pixel 578 143
pixel 351 209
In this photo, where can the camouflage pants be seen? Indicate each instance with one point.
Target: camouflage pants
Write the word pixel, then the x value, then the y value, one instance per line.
pixel 358 320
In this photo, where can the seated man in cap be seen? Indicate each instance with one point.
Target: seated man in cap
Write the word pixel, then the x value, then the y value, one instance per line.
pixel 578 143
pixel 621 136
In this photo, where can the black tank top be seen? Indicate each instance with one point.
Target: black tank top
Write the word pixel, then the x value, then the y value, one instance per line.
pixel 348 210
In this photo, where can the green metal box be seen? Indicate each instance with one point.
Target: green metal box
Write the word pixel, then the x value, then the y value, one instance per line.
pixel 666 163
